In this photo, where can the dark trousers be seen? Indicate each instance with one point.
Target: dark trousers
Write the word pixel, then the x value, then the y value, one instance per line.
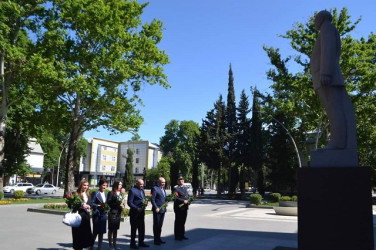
pixel 180 218
pixel 137 220
pixel 157 225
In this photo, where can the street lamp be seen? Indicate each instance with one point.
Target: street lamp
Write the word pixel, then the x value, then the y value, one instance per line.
pixel 288 133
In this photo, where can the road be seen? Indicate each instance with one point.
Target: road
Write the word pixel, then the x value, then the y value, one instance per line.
pixel 211 224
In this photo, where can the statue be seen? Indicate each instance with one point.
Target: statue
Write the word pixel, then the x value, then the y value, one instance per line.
pixel 329 84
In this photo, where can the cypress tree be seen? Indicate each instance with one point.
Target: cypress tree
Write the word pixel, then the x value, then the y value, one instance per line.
pixel 256 146
pixel 128 179
pixel 231 127
pixel 243 139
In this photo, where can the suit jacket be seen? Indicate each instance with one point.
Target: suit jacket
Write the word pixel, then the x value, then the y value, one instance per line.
pixel 181 195
pixel 96 200
pixel 158 197
pixel 325 56
pixel 135 198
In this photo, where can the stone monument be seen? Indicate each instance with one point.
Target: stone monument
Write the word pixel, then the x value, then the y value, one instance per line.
pixel 330 87
pixel 335 202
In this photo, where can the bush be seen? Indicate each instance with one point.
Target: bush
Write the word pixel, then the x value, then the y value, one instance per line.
pixel 19 194
pixel 255 199
pixel 274 197
pixel 285 198
pixel 1 195
pixel 294 198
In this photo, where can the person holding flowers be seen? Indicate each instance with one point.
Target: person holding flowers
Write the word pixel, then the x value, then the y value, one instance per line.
pixel 158 198
pixel 181 203
pixel 115 202
pixel 82 236
pixel 137 202
pixel 100 209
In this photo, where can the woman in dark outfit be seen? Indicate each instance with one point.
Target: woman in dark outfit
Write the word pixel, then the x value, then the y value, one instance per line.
pixel 115 201
pixel 98 201
pixel 82 236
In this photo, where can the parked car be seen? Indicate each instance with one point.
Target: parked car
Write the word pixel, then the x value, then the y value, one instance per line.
pixel 189 188
pixel 43 189
pixel 17 186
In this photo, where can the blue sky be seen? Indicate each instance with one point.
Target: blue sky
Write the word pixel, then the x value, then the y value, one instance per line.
pixel 202 38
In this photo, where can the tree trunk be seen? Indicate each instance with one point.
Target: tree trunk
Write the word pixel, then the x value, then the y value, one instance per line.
pixel 219 187
pixel 71 159
pixel 3 117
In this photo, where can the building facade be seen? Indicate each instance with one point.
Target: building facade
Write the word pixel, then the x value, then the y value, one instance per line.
pixel 107 159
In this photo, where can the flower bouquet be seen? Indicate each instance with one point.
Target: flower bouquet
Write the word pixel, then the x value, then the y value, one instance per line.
pixel 103 208
pixel 74 201
pixel 192 198
pixel 168 199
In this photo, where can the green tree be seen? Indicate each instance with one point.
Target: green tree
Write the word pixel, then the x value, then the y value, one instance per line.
pixel 99 54
pixel 293 93
pixel 213 138
pixel 231 127
pixel 128 179
pixel 180 143
pixel 17 19
pixel 243 140
pixel 256 145
pixel 162 170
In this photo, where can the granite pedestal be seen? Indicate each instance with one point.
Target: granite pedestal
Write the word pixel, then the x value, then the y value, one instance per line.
pixel 335 208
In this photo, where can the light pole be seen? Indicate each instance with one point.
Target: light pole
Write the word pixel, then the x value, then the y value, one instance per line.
pixel 288 133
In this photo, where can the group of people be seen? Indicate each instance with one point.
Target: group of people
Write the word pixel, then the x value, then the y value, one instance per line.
pixel 107 208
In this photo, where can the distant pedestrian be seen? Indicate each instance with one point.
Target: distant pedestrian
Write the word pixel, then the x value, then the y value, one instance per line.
pixel 158 198
pixel 137 203
pixel 98 199
pixel 181 209
pixel 82 235
pixel 115 201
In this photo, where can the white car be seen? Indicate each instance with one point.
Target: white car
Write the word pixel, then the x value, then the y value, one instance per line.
pixel 44 189
pixel 18 186
pixel 189 188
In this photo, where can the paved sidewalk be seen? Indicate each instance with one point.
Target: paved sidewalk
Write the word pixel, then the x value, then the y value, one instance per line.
pixel 211 224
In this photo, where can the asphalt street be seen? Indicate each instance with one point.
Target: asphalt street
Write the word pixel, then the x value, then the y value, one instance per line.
pixel 211 224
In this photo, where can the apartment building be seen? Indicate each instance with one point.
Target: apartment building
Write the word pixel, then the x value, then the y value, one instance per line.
pixel 108 159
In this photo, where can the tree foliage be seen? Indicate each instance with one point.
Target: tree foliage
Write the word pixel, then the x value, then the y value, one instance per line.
pixel 128 179
pixel 99 55
pixel 293 94
pixel 180 144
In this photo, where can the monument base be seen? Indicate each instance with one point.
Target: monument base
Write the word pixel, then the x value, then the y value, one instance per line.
pixel 335 208
pixel 334 158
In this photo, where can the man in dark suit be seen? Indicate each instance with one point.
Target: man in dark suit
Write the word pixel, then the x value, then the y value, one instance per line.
pixel 158 198
pixel 137 203
pixel 181 212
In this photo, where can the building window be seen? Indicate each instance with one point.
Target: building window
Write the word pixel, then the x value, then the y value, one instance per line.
pixel 113 158
pixel 113 168
pixel 104 157
pixel 103 167
pixel 136 170
pixel 137 150
pixel 137 160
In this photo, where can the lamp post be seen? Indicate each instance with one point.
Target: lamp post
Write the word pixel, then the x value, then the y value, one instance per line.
pixel 288 133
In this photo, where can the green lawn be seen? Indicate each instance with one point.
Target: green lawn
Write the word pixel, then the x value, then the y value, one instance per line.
pixel 34 201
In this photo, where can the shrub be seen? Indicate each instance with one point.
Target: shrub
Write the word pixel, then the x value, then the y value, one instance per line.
pixel 294 198
pixel 255 199
pixel 91 191
pixel 274 197
pixel 1 195
pixel 19 194
pixel 285 198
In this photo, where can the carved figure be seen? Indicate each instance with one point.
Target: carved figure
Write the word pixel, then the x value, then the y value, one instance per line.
pixel 329 84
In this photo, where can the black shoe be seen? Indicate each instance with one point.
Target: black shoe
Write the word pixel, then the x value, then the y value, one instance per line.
pixel 157 243
pixel 161 241
pixel 185 238
pixel 143 245
pixel 134 246
pixel 179 239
